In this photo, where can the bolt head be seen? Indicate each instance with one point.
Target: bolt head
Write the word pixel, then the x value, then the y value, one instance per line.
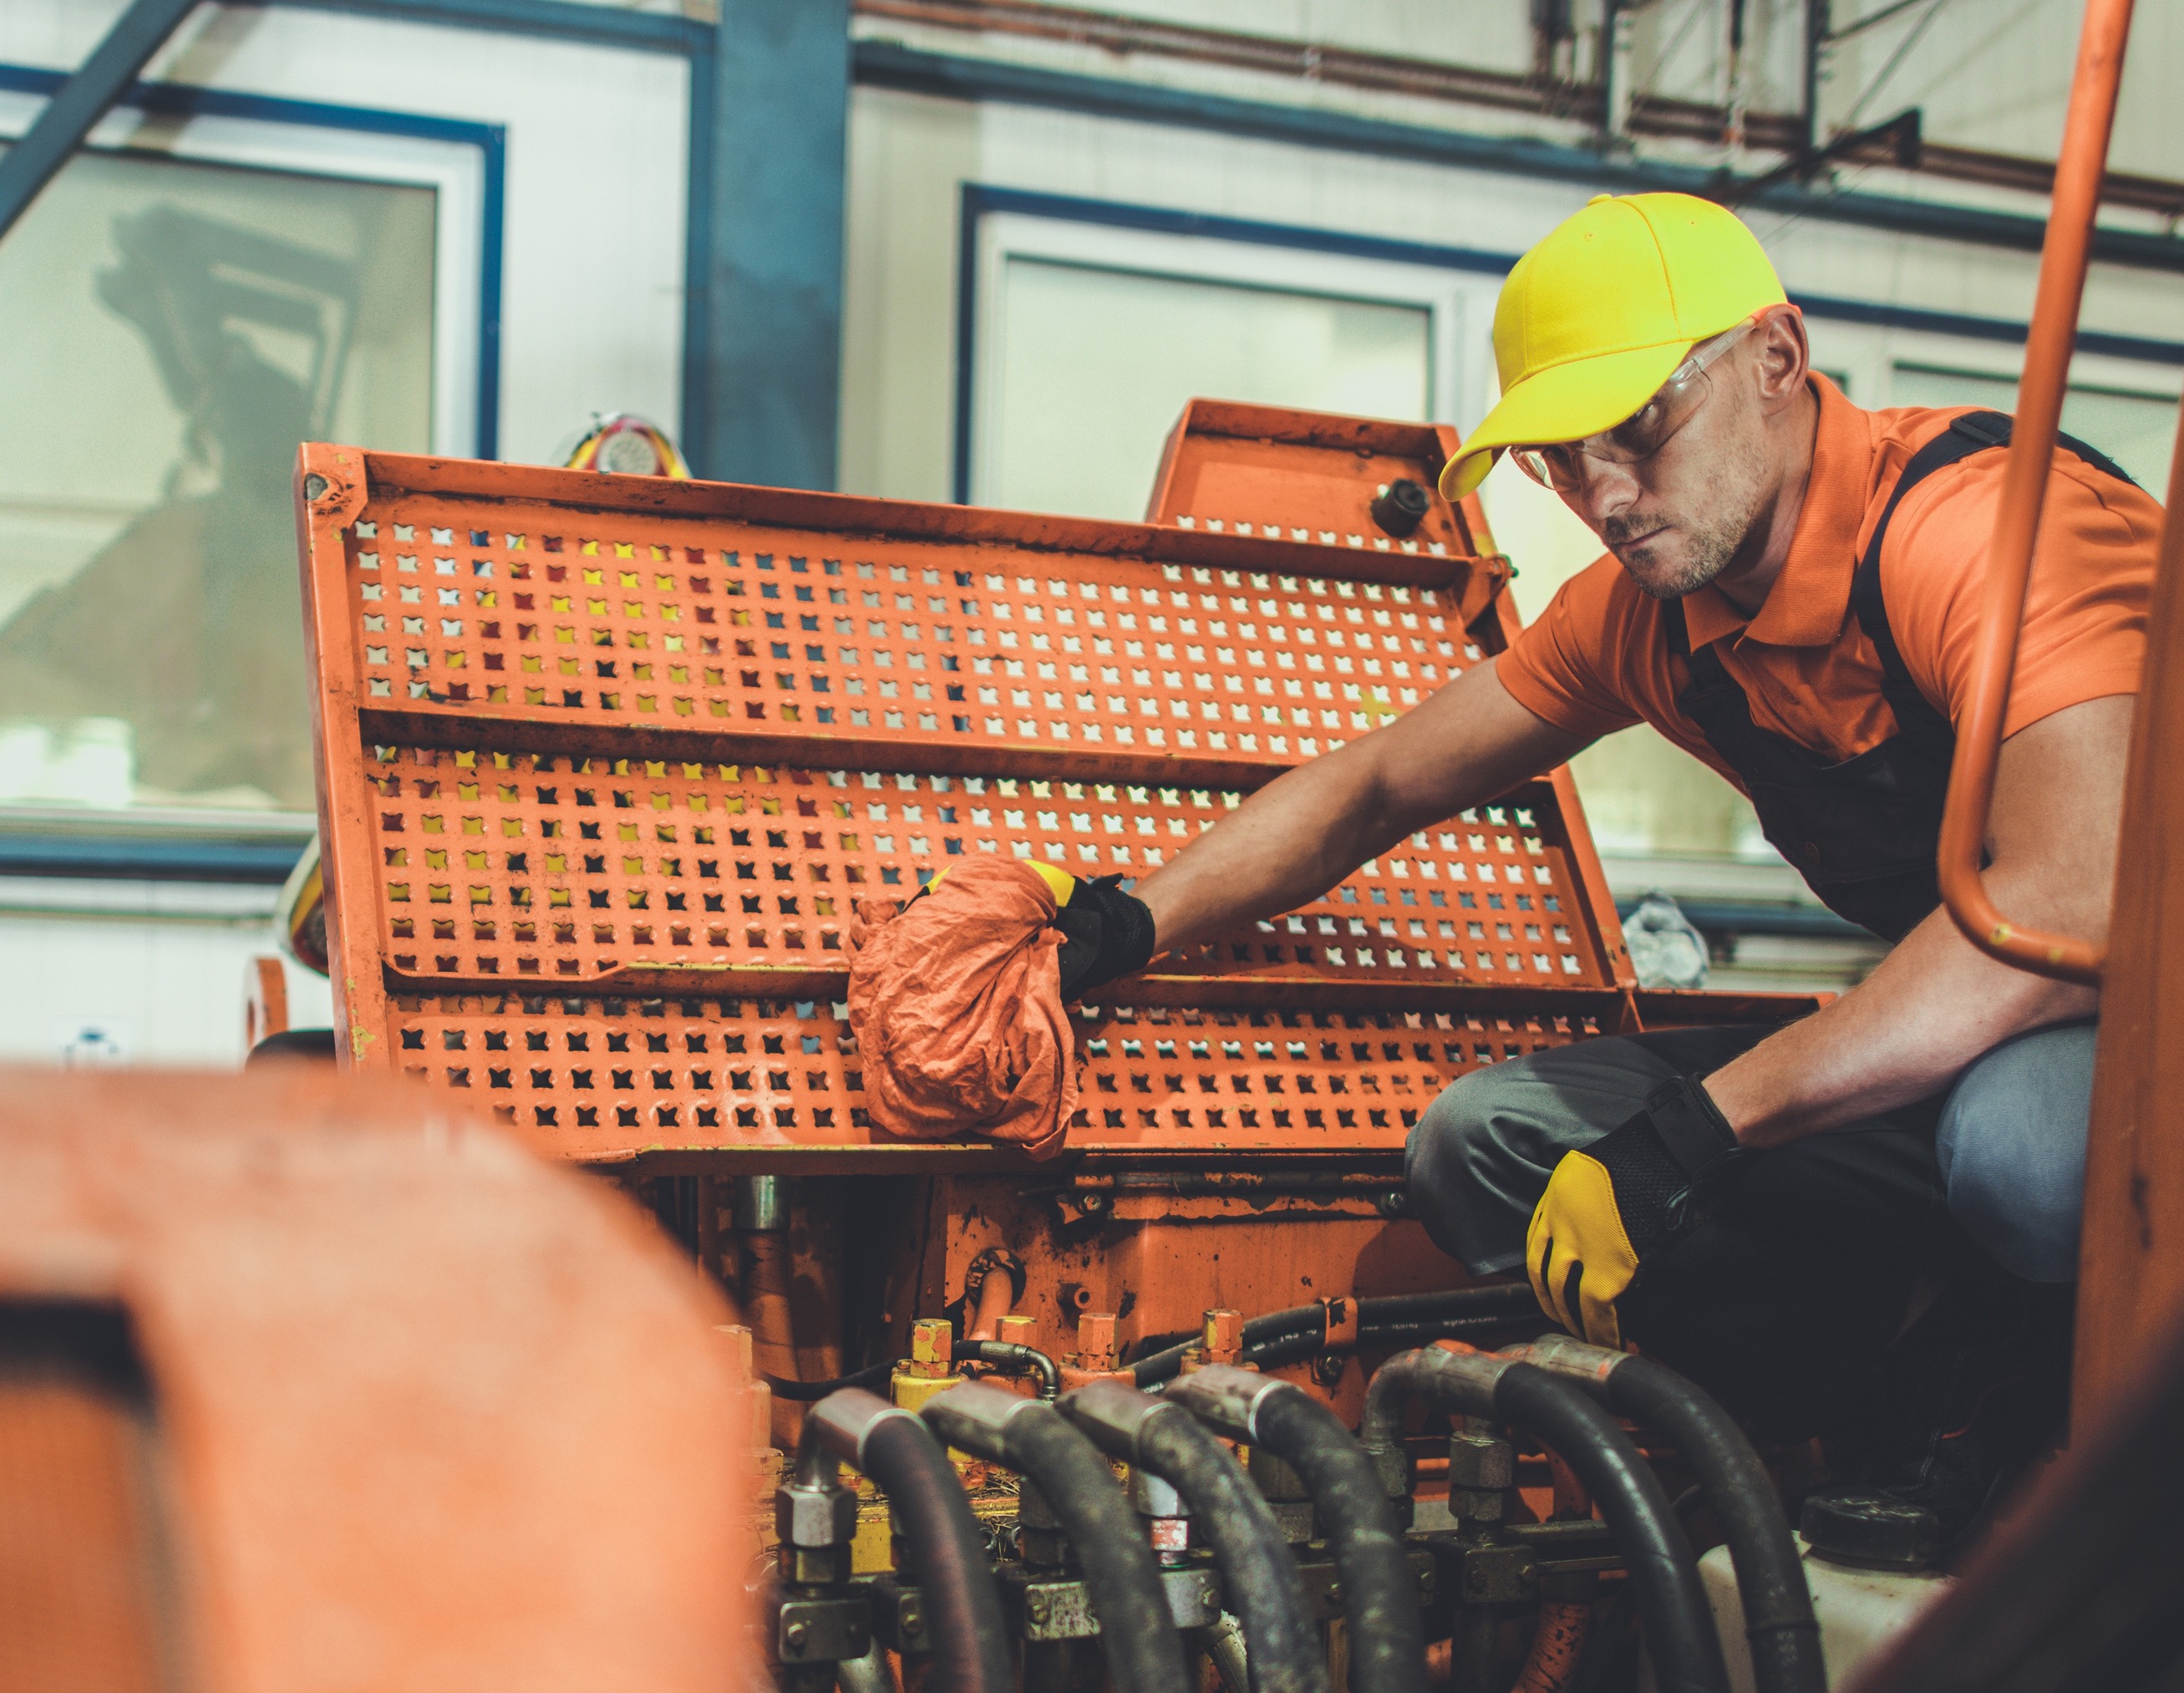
pixel 795 1635
pixel 931 1342
pixel 911 1619
pixel 815 1516
pixel 1039 1607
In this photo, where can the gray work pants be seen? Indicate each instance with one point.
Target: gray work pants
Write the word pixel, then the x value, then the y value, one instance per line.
pixel 2004 1149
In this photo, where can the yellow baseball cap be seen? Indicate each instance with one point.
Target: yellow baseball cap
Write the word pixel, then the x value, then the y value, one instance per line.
pixel 1598 315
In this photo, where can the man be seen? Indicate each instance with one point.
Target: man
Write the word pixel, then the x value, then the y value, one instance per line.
pixel 1844 1224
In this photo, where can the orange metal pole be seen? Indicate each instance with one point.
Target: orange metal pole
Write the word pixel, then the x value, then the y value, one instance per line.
pixel 2130 1262
pixel 2047 351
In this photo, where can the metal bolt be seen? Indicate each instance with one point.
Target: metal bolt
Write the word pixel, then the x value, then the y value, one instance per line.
pixel 932 1346
pixel 911 1618
pixel 1222 1337
pixel 1038 1608
pixel 1334 1592
pixel 1094 1204
pixel 1476 1579
pixel 795 1635
pixel 1209 1602
pixel 1096 1339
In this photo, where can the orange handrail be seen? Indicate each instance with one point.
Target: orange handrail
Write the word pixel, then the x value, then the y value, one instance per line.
pixel 2049 346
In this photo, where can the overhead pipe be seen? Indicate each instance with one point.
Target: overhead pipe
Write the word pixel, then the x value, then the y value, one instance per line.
pixel 2048 349
pixel 1770 1576
pixel 1642 1523
pixel 1381 1590
pixel 1258 1576
pixel 947 1552
pixel 1137 1631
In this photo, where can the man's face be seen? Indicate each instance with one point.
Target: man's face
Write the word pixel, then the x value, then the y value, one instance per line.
pixel 1678 518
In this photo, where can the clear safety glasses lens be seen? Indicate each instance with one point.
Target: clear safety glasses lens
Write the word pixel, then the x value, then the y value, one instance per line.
pixel 1640 434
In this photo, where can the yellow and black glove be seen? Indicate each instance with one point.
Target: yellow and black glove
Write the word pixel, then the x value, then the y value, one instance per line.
pixel 1610 1204
pixel 1107 933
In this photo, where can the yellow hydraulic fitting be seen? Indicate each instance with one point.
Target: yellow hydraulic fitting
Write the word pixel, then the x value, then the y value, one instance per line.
pixel 930 1367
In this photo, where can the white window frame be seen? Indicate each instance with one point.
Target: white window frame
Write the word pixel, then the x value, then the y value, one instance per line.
pixel 455 170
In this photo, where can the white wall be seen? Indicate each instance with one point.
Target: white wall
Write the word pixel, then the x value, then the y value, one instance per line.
pixel 155 970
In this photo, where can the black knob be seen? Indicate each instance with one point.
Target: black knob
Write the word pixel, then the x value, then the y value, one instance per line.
pixel 1401 506
pixel 1860 1527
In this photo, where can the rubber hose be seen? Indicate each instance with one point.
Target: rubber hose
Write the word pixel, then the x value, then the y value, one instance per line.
pixel 1259 1578
pixel 1018 1360
pixel 1387 1640
pixel 1224 1644
pixel 1412 1316
pixel 1136 1630
pixel 804 1392
pixel 1292 1349
pixel 1499 1299
pixel 1643 1525
pixel 948 1556
pixel 1770 1577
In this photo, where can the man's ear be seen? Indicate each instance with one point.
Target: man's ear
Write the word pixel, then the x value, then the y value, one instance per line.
pixel 1784 357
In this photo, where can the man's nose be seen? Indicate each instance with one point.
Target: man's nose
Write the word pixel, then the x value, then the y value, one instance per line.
pixel 1604 490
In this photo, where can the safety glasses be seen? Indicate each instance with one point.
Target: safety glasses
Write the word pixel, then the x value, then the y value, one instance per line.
pixel 1645 431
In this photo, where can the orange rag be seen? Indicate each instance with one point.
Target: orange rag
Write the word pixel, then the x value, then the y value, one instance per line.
pixel 955 1003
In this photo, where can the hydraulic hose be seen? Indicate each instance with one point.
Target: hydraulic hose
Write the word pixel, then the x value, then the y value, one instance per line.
pixel 1770 1578
pixel 804 1392
pixel 947 1554
pixel 1305 1330
pixel 1015 1360
pixel 1643 1525
pixel 1259 1578
pixel 1137 1631
pixel 1387 1640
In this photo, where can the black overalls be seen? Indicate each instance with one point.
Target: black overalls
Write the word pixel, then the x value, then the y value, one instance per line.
pixel 1864 833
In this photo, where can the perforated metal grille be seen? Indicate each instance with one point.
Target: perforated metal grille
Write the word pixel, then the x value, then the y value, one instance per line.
pixel 885 639
pixel 597 1070
pixel 610 762
pixel 498 863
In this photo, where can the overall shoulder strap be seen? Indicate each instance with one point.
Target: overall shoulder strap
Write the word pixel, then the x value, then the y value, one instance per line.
pixel 1976 431
pixel 1915 716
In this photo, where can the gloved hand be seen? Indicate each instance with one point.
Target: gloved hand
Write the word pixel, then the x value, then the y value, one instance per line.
pixel 1610 1204
pixel 1107 933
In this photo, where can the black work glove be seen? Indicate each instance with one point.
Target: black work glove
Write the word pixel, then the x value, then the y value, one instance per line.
pixel 1108 933
pixel 1609 1205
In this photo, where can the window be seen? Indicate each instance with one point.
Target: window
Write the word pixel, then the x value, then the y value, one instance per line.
pixel 2135 429
pixel 181 314
pixel 1096 365
pixel 1089 339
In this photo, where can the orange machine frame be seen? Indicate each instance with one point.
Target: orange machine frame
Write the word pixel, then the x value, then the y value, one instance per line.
pixel 605 760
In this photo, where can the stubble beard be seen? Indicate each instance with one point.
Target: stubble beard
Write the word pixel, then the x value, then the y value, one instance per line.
pixel 1734 506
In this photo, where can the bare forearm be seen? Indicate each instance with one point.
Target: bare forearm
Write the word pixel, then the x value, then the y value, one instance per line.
pixel 1303 832
pixel 1284 846
pixel 1934 1005
pixel 1937 1002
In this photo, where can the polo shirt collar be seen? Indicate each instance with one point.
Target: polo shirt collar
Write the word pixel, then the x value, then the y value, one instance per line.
pixel 1810 598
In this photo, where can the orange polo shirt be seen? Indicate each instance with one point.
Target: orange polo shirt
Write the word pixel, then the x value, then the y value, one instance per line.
pixel 1598 659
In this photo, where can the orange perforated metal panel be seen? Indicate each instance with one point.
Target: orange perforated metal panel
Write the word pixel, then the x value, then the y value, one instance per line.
pixel 606 760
